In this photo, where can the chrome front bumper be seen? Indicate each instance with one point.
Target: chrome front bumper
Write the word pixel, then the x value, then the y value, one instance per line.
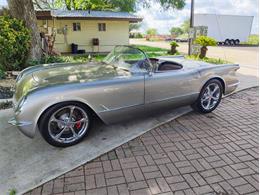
pixel 25 127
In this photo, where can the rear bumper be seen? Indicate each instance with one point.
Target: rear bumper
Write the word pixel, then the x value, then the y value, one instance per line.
pixel 24 126
pixel 230 88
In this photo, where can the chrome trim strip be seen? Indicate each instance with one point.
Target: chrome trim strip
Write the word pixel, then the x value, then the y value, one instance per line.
pixel 120 108
pixel 171 98
pixel 14 122
pixel 234 84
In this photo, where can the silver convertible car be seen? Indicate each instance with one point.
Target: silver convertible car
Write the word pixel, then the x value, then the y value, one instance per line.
pixel 60 100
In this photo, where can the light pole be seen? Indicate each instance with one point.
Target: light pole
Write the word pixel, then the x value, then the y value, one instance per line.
pixel 191 24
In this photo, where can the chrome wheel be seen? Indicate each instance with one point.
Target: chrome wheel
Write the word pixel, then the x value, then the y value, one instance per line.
pixel 211 96
pixel 68 124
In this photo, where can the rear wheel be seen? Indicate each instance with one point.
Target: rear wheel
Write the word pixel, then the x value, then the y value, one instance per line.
pixel 65 124
pixel 210 96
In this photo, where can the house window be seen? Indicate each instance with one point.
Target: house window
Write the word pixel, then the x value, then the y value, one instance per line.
pixel 102 26
pixel 76 26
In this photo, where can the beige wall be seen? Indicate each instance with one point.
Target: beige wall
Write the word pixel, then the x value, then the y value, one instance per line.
pixel 117 33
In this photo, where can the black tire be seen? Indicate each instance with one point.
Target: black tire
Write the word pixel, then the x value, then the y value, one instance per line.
pixel 232 42
pixel 199 106
pixel 45 118
pixel 227 42
pixel 237 42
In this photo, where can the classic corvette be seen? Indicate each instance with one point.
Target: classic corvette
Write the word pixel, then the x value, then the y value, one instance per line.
pixel 60 100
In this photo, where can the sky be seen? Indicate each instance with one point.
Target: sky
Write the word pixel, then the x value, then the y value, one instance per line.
pixel 163 20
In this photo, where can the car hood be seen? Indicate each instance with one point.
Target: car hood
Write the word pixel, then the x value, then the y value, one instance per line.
pixel 73 73
pixel 59 74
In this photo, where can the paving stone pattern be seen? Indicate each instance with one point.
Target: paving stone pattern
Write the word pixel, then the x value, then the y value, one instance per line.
pixel 215 153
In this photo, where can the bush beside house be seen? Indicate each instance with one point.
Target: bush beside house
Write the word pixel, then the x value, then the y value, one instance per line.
pixel 14 44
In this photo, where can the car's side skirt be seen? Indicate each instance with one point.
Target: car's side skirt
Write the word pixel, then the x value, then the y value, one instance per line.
pixel 135 111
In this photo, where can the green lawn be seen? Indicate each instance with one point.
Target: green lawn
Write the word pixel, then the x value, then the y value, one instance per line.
pixel 150 51
pixel 208 60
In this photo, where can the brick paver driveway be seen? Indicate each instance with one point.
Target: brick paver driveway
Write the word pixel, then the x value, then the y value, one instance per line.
pixel 216 153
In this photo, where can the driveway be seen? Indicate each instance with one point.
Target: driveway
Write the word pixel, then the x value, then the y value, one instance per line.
pixel 39 162
pixel 26 163
pixel 215 153
pixel 246 57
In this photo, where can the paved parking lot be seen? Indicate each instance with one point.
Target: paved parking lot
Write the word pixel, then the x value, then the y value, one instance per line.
pixel 246 56
pixel 216 153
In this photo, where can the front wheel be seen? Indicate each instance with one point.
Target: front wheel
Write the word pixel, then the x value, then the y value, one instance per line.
pixel 65 124
pixel 210 96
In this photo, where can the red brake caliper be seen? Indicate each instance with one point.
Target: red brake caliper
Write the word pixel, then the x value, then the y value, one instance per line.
pixel 78 124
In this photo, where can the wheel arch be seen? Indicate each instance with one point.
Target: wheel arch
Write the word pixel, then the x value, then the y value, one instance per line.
pixel 222 81
pixel 84 104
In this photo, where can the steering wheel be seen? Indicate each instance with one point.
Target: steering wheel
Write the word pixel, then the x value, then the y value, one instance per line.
pixel 143 64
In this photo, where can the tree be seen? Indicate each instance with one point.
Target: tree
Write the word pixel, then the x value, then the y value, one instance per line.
pixel 186 26
pixel 121 5
pixel 151 31
pixel 24 10
pixel 176 31
pixel 134 26
pixel 48 4
pixel 204 42
pixel 4 11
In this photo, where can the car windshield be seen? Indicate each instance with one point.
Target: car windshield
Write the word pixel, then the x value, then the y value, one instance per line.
pixel 125 57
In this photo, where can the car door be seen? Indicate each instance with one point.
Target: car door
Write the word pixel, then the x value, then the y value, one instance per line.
pixel 171 88
pixel 123 96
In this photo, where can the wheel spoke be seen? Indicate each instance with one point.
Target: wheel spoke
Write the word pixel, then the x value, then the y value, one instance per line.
pixel 80 121
pixel 73 131
pixel 60 133
pixel 215 98
pixel 60 122
pixel 214 90
pixel 208 90
pixel 71 112
pixel 208 104
pixel 205 98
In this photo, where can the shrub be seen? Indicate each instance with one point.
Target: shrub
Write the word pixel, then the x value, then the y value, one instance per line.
pixel 14 43
pixel 253 40
pixel 138 36
pixel 173 47
pixel 205 41
pixel 2 73
pixel 174 44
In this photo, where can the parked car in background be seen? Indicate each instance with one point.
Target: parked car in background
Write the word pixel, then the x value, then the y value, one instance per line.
pixel 181 39
pixel 61 99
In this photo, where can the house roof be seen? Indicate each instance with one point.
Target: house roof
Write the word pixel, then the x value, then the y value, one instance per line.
pixel 87 15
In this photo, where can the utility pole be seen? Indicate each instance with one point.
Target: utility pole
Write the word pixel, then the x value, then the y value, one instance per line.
pixel 191 24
